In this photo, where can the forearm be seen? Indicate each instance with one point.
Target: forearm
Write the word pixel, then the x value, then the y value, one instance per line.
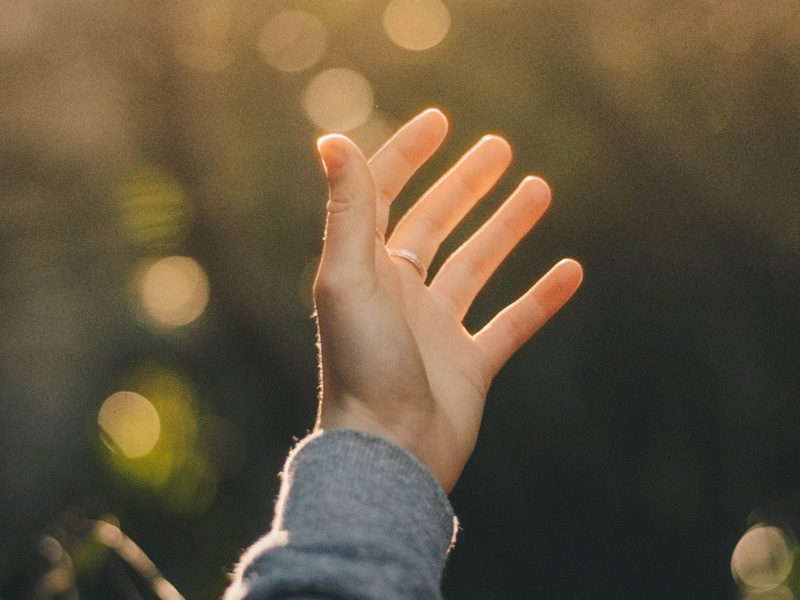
pixel 357 517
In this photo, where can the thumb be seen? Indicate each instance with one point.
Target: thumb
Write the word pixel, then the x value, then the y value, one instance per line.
pixel 349 250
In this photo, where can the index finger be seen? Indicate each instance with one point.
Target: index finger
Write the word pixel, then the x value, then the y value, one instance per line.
pixel 399 158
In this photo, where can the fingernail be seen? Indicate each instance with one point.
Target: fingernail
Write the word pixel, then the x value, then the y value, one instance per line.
pixel 540 184
pixel 330 152
pixel 570 269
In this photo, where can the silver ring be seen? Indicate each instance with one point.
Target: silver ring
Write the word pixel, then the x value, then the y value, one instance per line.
pixel 411 257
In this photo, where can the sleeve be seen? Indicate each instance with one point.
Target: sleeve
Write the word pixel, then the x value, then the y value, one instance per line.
pixel 356 518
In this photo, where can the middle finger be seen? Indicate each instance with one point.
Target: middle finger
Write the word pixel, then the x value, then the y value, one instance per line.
pixel 425 226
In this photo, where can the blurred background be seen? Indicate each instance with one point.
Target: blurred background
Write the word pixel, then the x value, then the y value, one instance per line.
pixel 160 221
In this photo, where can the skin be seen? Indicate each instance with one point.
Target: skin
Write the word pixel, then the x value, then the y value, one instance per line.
pixel 395 357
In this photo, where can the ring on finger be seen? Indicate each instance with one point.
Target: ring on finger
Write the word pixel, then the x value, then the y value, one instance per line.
pixel 411 257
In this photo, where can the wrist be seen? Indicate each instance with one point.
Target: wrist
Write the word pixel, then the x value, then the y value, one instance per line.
pixel 338 419
pixel 413 431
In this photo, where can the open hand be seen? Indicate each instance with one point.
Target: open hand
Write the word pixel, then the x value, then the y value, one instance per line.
pixel 396 360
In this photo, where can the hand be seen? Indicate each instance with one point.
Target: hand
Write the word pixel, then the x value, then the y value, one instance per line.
pixel 396 360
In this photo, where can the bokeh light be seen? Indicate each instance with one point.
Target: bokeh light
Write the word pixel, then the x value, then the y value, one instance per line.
pixel 416 24
pixel 763 558
pixel 130 424
pixel 152 207
pixel 338 99
pixel 177 469
pixel 294 40
pixel 173 291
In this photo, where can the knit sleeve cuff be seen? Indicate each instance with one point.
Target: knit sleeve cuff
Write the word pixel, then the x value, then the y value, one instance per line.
pixel 358 504
pixel 355 481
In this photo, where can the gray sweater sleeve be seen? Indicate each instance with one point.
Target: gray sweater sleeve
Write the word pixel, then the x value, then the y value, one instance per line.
pixel 356 518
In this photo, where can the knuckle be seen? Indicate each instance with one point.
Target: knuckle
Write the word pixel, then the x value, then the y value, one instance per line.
pixel 337 203
pixel 337 283
pixel 326 284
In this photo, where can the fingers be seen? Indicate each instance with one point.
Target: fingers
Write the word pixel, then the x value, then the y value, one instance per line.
pixel 349 251
pixel 399 158
pixel 466 271
pixel 516 323
pixel 440 209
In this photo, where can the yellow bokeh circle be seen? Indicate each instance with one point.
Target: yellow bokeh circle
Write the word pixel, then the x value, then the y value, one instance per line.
pixel 130 424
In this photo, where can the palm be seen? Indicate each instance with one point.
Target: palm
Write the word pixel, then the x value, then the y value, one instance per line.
pixel 457 373
pixel 396 359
